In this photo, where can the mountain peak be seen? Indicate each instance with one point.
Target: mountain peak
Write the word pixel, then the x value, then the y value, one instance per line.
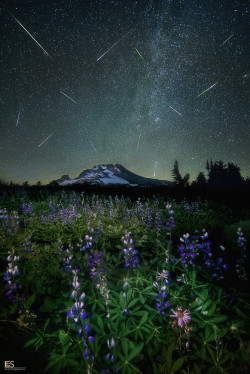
pixel 111 175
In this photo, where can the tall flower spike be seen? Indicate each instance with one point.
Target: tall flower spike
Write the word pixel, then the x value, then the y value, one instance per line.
pixel 131 260
pixel 13 285
pixel 78 314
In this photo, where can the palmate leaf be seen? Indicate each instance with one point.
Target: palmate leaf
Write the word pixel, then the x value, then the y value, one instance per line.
pixel 144 319
pixel 135 352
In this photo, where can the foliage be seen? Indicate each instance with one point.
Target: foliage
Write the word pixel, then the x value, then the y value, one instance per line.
pixel 108 284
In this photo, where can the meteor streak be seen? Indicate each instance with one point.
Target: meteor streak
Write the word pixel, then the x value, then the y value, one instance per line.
pixel 46 139
pixel 207 89
pixel 138 142
pixel 31 36
pixel 155 168
pixel 68 97
pixel 139 54
pixel 18 116
pixel 113 45
pixel 227 39
pixel 175 110
pixel 93 146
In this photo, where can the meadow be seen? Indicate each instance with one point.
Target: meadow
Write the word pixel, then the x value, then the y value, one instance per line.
pixel 109 284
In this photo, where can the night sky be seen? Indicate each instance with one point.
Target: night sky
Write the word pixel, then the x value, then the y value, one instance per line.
pixel 119 81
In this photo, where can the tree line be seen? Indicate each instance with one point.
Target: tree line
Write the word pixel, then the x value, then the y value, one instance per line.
pixel 219 175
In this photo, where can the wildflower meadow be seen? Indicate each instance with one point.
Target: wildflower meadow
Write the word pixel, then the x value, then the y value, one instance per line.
pixel 110 284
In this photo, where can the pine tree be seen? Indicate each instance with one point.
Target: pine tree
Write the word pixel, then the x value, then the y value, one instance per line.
pixel 176 174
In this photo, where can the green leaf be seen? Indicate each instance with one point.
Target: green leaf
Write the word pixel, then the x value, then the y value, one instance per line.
pixel 135 351
pixel 129 294
pixel 122 300
pixel 30 342
pixel 125 347
pixel 217 319
pixel 46 324
pixel 100 323
pixel 177 365
pixel 193 276
pixel 29 301
pixel 211 310
pixel 142 299
pixel 155 369
pixel 144 319
pixel 132 303
pixel 169 355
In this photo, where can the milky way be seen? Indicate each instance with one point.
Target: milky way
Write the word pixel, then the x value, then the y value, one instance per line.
pixel 137 83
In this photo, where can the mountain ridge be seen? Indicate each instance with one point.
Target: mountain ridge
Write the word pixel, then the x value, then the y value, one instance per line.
pixel 111 175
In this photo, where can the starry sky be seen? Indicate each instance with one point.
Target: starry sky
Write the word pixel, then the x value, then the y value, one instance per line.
pixel 88 82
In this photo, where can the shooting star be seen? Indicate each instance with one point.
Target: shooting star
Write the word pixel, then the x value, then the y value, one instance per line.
pixel 31 36
pixel 227 39
pixel 175 110
pixel 138 142
pixel 207 89
pixel 93 146
pixel 68 97
pixel 155 167
pixel 46 139
pixel 18 116
pixel 139 54
pixel 114 45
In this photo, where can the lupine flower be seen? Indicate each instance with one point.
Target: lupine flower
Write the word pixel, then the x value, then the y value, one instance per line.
pixel 183 317
pixel 27 245
pixel 9 221
pixel 158 222
pixel 11 277
pixel 125 285
pixel 187 250
pixel 215 265
pixel 241 261
pixel 67 260
pixel 88 243
pixel 161 299
pixel 111 345
pixel 170 224
pixel 97 273
pixel 204 247
pixel 131 260
pixel 60 247
pixel 78 314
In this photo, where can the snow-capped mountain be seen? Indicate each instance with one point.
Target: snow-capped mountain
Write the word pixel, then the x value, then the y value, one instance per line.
pixel 111 174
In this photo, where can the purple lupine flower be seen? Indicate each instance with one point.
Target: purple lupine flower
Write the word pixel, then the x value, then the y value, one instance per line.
pixel 83 247
pixel 9 221
pixel 161 299
pixel 110 354
pixel 187 250
pixel 216 265
pixel 78 314
pixel 26 246
pixel 94 262
pixel 183 317
pixel 60 247
pixel 170 224
pixel 204 247
pixel 241 241
pixel 131 260
pixel 97 273
pixel 158 222
pixel 125 286
pixel 11 277
pixel 67 260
